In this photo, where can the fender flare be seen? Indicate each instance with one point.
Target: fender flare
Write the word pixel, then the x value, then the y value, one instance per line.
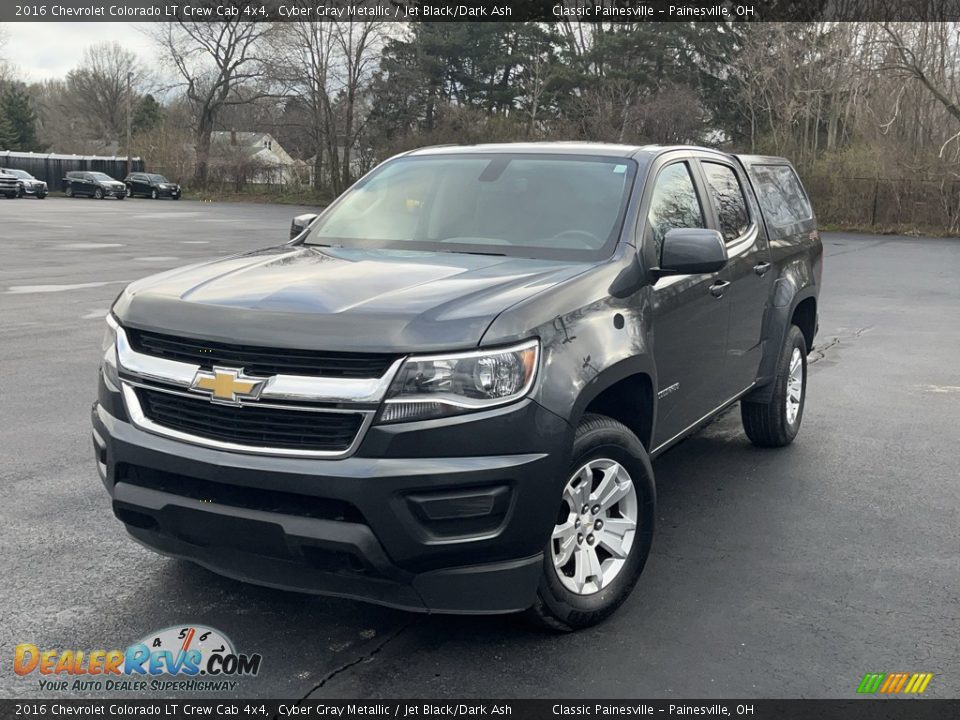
pixel 608 377
pixel 777 325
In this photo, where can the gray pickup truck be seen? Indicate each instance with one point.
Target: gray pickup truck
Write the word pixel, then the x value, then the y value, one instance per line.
pixel 445 392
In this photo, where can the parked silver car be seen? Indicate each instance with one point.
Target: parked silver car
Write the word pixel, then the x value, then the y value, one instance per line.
pixel 26 183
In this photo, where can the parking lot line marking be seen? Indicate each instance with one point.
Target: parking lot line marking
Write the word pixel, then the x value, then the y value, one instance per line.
pixel 89 245
pixel 157 258
pixel 24 289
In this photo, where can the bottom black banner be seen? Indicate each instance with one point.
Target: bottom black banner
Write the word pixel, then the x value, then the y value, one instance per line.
pixel 894 709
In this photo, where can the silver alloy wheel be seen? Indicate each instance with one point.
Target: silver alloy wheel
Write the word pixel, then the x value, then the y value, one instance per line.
pixel 794 386
pixel 594 535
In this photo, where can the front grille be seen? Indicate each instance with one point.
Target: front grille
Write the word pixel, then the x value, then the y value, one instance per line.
pixel 261 360
pixel 250 425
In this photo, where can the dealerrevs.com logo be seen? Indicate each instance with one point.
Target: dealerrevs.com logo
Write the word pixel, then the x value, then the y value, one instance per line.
pixel 181 658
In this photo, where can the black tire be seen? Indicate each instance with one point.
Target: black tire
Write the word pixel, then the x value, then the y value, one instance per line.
pixel 129 191
pixel 121 197
pixel 560 609
pixel 68 191
pixel 41 196
pixel 19 191
pixel 154 195
pixel 177 196
pixel 767 423
pixel 98 194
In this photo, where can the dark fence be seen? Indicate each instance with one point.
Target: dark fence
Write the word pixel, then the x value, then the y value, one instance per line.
pixel 52 168
pixel 886 203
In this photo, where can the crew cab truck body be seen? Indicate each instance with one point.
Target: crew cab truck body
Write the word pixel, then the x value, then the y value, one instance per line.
pixel 445 392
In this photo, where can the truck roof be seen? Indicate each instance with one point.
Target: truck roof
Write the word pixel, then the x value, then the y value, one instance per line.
pixel 584 148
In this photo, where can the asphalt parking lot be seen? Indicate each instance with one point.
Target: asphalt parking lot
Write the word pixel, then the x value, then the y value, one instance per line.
pixel 784 573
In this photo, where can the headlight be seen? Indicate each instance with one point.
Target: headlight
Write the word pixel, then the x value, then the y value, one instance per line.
pixel 440 385
pixel 108 366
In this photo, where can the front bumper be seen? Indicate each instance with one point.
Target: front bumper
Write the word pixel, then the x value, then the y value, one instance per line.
pixel 423 517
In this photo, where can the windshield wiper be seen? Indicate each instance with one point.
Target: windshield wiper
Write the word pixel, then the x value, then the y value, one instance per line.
pixel 475 252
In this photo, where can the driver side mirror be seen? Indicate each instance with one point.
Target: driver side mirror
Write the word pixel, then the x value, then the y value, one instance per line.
pixel 301 223
pixel 691 251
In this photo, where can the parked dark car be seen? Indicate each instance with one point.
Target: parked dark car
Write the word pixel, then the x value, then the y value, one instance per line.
pixel 444 394
pixel 9 185
pixel 151 185
pixel 93 184
pixel 27 184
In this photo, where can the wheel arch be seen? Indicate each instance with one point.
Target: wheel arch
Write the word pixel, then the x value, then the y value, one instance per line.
pixel 623 392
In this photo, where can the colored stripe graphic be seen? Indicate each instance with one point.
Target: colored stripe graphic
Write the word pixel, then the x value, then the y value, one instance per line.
pixel 871 682
pixel 895 683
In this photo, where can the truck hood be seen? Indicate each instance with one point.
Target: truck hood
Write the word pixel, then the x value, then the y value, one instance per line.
pixel 339 298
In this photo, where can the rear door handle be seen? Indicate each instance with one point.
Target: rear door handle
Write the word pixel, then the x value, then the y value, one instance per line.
pixel 761 268
pixel 719 288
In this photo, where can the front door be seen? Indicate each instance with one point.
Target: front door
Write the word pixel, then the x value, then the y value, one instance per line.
pixel 749 270
pixel 691 315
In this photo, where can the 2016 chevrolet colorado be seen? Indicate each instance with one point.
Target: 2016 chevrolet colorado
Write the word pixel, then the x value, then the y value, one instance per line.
pixel 445 392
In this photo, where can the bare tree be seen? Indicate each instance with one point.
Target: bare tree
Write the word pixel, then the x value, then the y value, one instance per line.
pixel 218 63
pixel 99 86
pixel 300 62
pixel 925 52
pixel 358 45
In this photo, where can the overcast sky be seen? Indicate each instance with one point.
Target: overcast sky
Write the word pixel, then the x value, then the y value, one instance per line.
pixel 49 49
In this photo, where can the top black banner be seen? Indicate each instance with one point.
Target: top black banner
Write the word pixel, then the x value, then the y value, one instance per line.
pixel 479 10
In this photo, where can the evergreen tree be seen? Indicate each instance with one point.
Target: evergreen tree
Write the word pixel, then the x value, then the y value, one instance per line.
pixel 147 114
pixel 21 118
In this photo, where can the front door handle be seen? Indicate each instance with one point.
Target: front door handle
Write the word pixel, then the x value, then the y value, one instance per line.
pixel 761 268
pixel 719 288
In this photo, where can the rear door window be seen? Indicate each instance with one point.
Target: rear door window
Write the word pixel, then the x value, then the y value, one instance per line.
pixel 781 195
pixel 728 200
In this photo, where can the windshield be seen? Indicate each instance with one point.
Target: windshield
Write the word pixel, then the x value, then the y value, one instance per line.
pixel 20 174
pixel 100 176
pixel 546 206
pixel 158 178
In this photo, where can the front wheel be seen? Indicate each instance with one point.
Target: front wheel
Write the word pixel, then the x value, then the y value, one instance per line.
pixel 19 191
pixel 775 422
pixel 129 191
pixel 154 194
pixel 98 194
pixel 68 191
pixel 41 196
pixel 603 530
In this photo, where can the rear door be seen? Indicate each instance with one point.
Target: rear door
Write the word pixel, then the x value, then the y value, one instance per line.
pixel 737 217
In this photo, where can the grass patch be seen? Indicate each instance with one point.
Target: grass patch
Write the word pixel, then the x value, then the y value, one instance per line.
pixel 298 196
pixel 904 229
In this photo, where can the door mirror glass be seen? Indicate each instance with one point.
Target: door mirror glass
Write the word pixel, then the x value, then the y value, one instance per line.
pixel 301 223
pixel 691 251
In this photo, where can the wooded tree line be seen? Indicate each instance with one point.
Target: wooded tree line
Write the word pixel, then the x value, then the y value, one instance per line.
pixel 849 100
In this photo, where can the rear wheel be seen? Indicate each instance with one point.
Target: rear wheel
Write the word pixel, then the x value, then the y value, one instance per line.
pixel 603 530
pixel 775 423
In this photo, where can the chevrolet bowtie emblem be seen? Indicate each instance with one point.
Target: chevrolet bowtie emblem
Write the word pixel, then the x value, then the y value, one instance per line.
pixel 227 385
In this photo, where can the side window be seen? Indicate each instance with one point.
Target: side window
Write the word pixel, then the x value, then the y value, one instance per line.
pixel 728 199
pixel 781 195
pixel 674 204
